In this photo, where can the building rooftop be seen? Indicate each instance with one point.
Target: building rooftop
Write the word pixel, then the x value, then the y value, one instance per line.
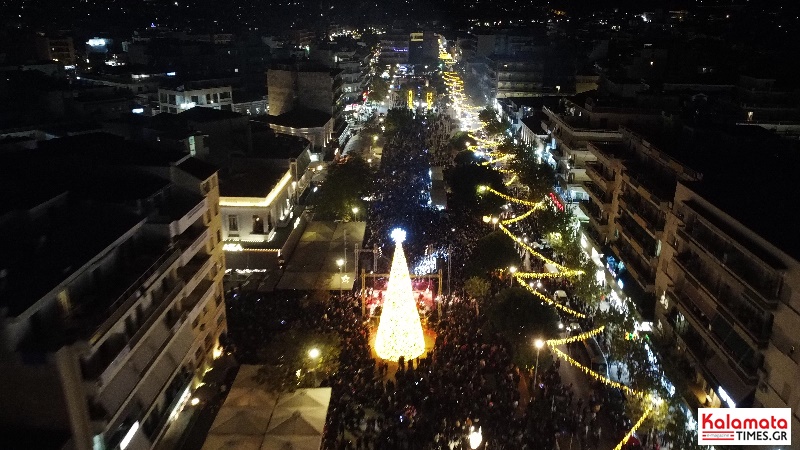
pixel 197 168
pixel 751 190
pixel 38 258
pixel 101 148
pixel 271 145
pixel 201 114
pixel 300 118
pixel 250 180
pixel 744 170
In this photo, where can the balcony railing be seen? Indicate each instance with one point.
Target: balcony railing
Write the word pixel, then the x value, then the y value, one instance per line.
pixel 112 362
pixel 644 274
pixel 128 298
pixel 594 214
pixel 755 324
pixel 598 175
pixel 759 286
pixel 596 192
pixel 647 218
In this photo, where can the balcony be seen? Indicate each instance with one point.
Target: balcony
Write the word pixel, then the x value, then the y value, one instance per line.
pixel 642 273
pixel 755 324
pixel 109 316
pixel 650 183
pixel 600 176
pixel 639 238
pixel 195 271
pixel 191 242
pixel 595 215
pixel 644 215
pixel 180 212
pixel 761 285
pixel 597 194
pixel 114 353
pixel 177 334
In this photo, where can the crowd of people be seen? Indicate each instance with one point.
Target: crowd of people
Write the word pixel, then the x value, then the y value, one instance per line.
pixel 466 382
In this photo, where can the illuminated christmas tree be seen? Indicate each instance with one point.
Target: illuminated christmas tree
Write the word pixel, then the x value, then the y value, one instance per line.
pixel 399 331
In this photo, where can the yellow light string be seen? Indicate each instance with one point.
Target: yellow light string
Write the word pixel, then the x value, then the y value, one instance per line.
pixel 576 338
pixel 634 428
pixel 503 157
pixel 551 302
pixel 514 200
pixel 597 376
pixel 540 275
pixel 519 217
pixel 563 270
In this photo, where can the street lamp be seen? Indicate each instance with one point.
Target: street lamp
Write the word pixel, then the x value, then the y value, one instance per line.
pixel 475 438
pixel 494 222
pixel 313 354
pixel 512 270
pixel 538 343
pixel 340 263
pixel 355 212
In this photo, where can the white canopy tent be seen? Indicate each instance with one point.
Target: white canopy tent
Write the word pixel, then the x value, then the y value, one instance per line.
pixel 254 418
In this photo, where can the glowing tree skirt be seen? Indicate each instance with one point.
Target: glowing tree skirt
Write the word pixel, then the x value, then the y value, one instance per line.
pixel 399 331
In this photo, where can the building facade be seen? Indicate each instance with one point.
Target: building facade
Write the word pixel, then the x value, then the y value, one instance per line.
pixel 729 298
pixel 109 349
pixel 185 97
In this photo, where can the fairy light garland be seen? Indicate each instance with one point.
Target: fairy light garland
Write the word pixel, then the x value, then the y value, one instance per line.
pixel 563 271
pixel 551 302
pixel 577 337
pixel 519 217
pixel 598 377
pixel 509 198
pixel 634 428
pixel 530 275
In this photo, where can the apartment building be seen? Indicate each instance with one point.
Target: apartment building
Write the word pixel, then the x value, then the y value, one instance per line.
pixel 631 186
pixel 111 300
pixel 728 295
pixel 188 95
pixel 577 121
pixel 394 48
pixel 56 48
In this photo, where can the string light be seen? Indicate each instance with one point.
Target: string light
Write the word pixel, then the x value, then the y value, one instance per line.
pixel 400 330
pixel 511 181
pixel 551 302
pixel 509 198
pixel 519 217
pixel 540 275
pixel 563 270
pixel 576 338
pixel 634 428
pixel 599 377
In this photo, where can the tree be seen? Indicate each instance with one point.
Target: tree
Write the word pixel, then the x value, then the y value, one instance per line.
pixel 521 318
pixel 464 180
pixel 397 119
pixel 477 288
pixel 288 353
pixel 495 251
pixel 538 176
pixel 378 90
pixel 345 186
pixel 491 124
